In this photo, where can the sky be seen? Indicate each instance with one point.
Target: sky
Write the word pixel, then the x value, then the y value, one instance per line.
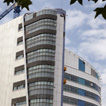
pixel 85 35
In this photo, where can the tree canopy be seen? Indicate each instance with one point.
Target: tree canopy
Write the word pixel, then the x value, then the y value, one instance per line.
pixel 21 3
pixel 98 10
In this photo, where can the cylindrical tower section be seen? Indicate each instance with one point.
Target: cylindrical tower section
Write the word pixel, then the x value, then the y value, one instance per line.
pixel 41 39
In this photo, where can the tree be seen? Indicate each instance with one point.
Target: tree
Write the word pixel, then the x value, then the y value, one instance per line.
pixel 98 10
pixel 21 3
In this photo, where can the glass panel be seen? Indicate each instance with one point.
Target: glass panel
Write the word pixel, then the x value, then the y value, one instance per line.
pixel 81 65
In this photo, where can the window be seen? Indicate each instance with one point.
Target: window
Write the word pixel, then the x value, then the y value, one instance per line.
pixel 81 81
pixel 19 72
pixel 97 76
pixel 81 65
pixel 41 87
pixel 18 87
pixel 76 102
pixel 20 42
pixel 81 103
pixel 20 27
pixel 81 92
pixel 21 103
pixel 41 24
pixel 19 57
pixel 46 11
pixel 41 39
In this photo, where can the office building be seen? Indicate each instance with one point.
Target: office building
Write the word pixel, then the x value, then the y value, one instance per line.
pixel 36 70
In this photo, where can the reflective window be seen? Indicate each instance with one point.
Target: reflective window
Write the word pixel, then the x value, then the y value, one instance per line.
pixel 41 87
pixel 81 81
pixel 41 24
pixel 40 55
pixel 41 39
pixel 82 92
pixel 81 103
pixel 46 11
pixel 19 43
pixel 81 65
pixel 19 57
pixel 41 74
pixel 18 87
pixel 76 102
pixel 19 72
pixel 21 103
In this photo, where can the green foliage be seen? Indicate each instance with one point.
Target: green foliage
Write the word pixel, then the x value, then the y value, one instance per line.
pixel 21 3
pixel 99 11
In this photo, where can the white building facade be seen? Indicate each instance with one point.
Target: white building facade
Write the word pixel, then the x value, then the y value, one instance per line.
pixel 32 61
pixel 83 84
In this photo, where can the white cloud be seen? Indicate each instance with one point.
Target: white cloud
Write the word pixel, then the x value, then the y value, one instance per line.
pixel 67 41
pixel 97 33
pixel 75 19
pixel 94 5
pixel 95 48
pixel 96 23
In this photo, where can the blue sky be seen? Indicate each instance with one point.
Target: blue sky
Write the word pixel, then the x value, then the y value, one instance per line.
pixel 85 35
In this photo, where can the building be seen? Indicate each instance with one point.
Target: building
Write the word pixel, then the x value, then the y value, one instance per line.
pixel 34 71
pixel 83 84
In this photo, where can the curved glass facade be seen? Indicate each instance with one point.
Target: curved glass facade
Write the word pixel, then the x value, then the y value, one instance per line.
pixel 41 24
pixel 41 39
pixel 41 75
pixel 46 11
pixel 41 102
pixel 41 55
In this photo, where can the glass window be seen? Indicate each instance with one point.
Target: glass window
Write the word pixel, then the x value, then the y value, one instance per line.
pixel 21 103
pixel 18 87
pixel 46 11
pixel 76 102
pixel 81 92
pixel 20 42
pixel 81 65
pixel 19 57
pixel 81 81
pixel 19 72
pixel 81 103
pixel 41 24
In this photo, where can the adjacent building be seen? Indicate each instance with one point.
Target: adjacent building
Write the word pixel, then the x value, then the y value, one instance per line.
pixel 36 70
pixel 83 84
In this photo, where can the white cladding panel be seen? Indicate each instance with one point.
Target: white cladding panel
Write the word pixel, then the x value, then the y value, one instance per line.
pixel 8 48
pixel 58 61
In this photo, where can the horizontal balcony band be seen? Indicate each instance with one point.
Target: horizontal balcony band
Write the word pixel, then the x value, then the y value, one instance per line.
pixel 41 97
pixel 47 16
pixel 41 31
pixel 40 63
pixel 43 46
pixel 50 79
